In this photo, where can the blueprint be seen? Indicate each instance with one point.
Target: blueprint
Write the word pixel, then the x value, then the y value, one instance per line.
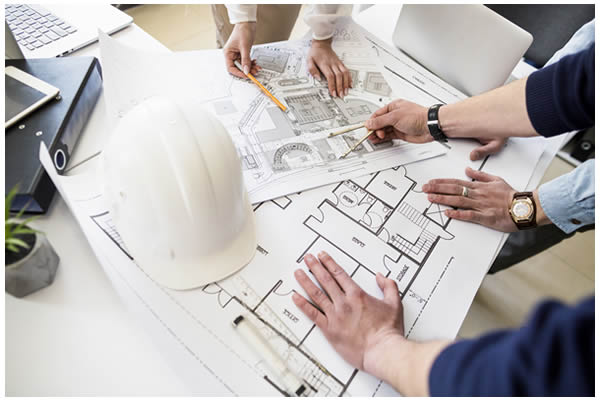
pixel 369 222
pixel 281 152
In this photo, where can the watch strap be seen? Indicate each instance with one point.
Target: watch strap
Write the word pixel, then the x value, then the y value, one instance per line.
pixel 433 123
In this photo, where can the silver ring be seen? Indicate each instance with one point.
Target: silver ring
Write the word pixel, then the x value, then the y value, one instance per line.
pixel 465 191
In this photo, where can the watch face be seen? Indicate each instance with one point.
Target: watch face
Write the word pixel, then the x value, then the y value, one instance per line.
pixel 521 209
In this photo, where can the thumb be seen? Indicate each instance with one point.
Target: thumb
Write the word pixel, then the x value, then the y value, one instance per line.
pixel 389 289
pixel 489 148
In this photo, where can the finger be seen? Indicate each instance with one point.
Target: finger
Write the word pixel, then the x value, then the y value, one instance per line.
pixel 444 188
pixel 489 148
pixel 452 201
pixel 347 77
pixel 230 57
pixel 441 186
pixel 246 61
pixel 389 289
pixel 310 311
pixel 388 119
pixel 315 294
pixel 480 175
pixel 465 215
pixel 338 273
pixel 323 277
pixel 339 81
pixel 313 70
pixel 330 80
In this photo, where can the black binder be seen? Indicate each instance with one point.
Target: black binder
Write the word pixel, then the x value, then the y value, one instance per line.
pixel 58 124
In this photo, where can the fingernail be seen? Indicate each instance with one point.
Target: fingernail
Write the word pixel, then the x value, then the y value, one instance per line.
pixel 246 70
pixel 309 257
pixel 334 94
pixel 430 197
pixel 346 92
pixel 297 272
pixel 318 78
pixel 322 254
pixel 425 188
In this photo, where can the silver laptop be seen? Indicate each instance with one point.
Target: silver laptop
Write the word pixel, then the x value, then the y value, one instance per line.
pixel 467 45
pixel 52 30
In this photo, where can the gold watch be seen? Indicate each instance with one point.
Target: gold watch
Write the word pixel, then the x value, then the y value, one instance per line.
pixel 522 210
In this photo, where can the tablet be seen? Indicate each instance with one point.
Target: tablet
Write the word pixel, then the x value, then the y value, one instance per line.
pixel 23 93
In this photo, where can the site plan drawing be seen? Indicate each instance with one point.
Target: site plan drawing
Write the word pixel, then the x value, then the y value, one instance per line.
pixel 281 152
pixel 369 221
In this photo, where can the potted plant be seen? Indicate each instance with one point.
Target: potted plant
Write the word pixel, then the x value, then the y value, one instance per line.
pixel 30 261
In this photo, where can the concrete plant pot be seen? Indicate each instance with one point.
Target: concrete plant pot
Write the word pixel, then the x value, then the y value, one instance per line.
pixel 31 269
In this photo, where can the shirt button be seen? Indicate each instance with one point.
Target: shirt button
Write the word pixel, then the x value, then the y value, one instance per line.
pixel 575 221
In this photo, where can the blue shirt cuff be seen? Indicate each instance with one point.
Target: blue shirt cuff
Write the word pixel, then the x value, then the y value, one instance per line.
pixel 568 201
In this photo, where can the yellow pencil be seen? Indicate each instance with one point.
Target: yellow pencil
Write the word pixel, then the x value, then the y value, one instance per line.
pixel 264 89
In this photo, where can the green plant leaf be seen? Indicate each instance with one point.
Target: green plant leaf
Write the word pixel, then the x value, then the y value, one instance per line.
pixel 23 231
pixel 8 201
pixel 12 248
pixel 17 242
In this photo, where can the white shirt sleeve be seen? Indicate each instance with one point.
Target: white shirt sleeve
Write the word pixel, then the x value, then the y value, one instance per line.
pixel 321 18
pixel 241 13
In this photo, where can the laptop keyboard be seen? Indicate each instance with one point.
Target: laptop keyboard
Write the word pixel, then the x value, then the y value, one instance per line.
pixel 33 26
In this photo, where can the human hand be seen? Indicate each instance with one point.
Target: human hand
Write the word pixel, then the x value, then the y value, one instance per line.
pixel 238 46
pixel 488 146
pixel 360 327
pixel 488 200
pixel 323 60
pixel 400 119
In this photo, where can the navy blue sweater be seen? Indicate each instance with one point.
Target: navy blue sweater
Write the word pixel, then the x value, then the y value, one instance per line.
pixel 553 353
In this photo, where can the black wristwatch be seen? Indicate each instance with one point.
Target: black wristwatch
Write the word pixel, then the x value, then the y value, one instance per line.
pixel 433 124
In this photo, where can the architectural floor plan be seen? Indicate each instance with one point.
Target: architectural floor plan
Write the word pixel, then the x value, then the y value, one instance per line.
pixel 369 222
pixel 281 152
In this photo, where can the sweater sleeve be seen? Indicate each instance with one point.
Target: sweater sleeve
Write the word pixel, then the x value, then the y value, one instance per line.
pixel 553 354
pixel 560 97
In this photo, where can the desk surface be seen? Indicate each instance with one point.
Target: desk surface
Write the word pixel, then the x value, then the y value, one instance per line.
pixel 76 337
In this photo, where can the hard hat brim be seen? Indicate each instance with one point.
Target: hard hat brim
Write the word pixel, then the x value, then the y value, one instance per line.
pixel 191 274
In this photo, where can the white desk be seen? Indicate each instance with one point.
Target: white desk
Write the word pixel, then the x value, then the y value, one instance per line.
pixel 75 337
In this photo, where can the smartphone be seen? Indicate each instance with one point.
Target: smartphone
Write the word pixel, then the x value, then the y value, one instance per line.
pixel 23 94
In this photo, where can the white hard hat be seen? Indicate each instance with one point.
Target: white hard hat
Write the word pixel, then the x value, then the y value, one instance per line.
pixel 176 194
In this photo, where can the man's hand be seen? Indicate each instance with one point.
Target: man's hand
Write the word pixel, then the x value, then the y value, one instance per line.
pixel 360 327
pixel 400 119
pixel 238 47
pixel 487 203
pixel 323 60
pixel 488 146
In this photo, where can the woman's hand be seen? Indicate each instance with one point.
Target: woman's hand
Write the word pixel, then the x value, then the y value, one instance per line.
pixel 238 47
pixel 323 60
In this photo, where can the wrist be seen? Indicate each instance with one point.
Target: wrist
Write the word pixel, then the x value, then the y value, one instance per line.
pixel 376 360
pixel 321 43
pixel 408 365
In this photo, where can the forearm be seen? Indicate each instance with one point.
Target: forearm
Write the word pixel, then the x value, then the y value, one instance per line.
pixel 239 13
pixel 500 113
pixel 405 364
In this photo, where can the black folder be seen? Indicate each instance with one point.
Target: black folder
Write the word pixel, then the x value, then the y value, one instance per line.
pixel 58 124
